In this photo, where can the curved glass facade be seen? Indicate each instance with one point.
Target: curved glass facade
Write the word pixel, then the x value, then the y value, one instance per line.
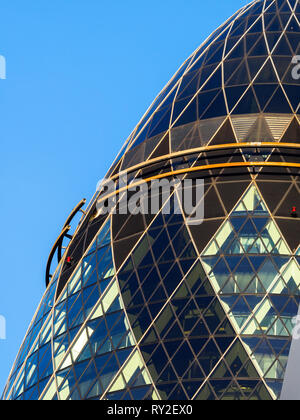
pixel 153 307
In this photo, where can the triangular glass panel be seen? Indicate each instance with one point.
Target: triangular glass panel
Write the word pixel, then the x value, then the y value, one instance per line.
pixel 258 247
pixel 272 39
pixel 238 27
pixel 282 263
pixel 289 324
pixel 205 99
pixel 293 94
pixel 209 357
pixel 260 223
pixel 267 74
pixel 253 301
pixel 268 274
pixel 291 277
pixel 257 26
pixel 210 262
pixel 252 202
pixel 264 93
pixel 255 287
pixel 233 262
pixel 160 122
pixel 282 65
pixel 217 56
pixel 282 47
pixel 214 82
pixel 255 64
pixel 236 358
pixel 252 328
pixel 225 236
pixel 214 316
pixel 212 249
pixel 240 312
pixel 239 76
pixel 248 235
pixel 217 109
pixel 271 238
pixel 279 302
pixel 281 248
pixel 294 40
pixel 292 134
pixel 199 330
pixel 279 288
pixel 179 106
pixel 160 149
pixel 229 302
pixel 233 94
pixel 248 104
pixel 237 52
pixel 293 26
pixel 279 346
pixel 240 210
pixel 275 387
pixel 235 248
pixel 278 329
pixel 264 356
pixel 259 131
pixel 188 85
pixel 189 115
pixel 279 104
pixel 259 48
pixel 206 394
pixel 206 289
pixel 226 330
pixel 221 371
pixel 251 343
pixel 224 135
pixel 274 25
pixel 244 274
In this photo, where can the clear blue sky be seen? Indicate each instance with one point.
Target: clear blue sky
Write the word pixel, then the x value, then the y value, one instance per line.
pixel 80 74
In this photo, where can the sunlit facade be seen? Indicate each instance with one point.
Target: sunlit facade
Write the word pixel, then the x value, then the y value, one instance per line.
pixel 153 307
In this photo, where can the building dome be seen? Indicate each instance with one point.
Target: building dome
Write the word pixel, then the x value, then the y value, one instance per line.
pixel 151 306
pixel 242 76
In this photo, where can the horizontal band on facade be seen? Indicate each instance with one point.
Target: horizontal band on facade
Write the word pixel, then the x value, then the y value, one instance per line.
pixel 202 169
pixel 207 149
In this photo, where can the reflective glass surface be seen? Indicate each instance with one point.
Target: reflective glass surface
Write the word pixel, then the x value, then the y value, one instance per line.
pixel 152 307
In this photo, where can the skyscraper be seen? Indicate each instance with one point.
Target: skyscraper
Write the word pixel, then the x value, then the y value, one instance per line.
pixel 151 306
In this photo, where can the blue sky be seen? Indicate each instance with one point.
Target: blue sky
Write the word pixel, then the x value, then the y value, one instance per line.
pixel 80 74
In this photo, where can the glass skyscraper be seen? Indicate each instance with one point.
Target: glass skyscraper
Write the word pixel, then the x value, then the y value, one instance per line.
pixel 154 307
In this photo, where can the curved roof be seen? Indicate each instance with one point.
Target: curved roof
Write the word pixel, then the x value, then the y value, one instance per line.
pixel 239 81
